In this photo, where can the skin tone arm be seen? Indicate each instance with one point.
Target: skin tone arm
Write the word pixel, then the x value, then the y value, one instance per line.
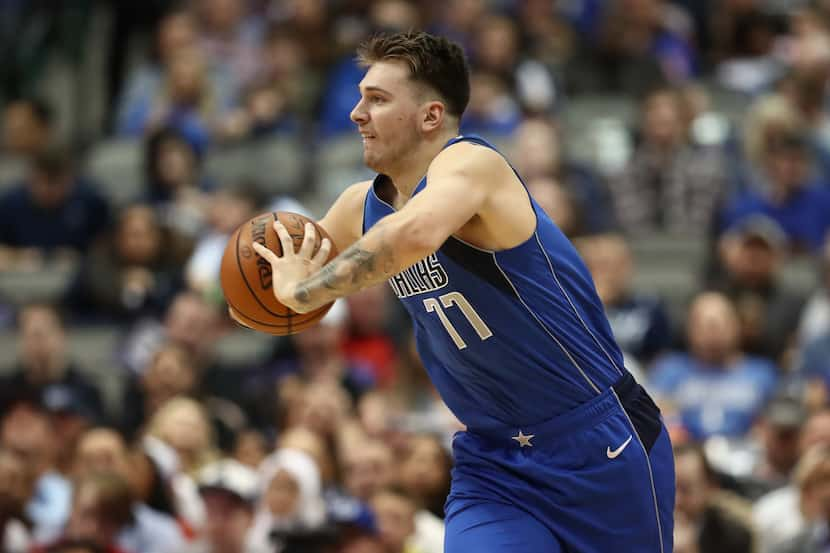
pixel 460 188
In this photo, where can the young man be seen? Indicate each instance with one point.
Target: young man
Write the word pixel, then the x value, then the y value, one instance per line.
pixel 563 451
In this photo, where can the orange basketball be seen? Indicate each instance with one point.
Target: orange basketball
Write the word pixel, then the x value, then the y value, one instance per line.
pixel 246 276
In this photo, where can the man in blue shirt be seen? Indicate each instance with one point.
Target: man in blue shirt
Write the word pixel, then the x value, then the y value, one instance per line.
pixel 790 196
pixel 53 209
pixel 717 389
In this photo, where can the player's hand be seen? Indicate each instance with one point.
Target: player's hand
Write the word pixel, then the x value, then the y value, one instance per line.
pixel 290 269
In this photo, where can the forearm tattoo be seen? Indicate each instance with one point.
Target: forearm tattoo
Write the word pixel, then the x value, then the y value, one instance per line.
pixel 368 261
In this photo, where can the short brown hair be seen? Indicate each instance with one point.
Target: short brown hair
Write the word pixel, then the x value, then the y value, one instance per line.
pixel 435 61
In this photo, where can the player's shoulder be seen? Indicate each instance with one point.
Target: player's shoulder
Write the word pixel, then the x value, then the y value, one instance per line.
pixel 358 189
pixel 355 193
pixel 469 158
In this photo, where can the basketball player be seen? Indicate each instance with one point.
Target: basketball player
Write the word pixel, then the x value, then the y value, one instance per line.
pixel 563 450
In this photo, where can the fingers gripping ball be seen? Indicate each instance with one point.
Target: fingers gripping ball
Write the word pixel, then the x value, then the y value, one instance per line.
pixel 247 280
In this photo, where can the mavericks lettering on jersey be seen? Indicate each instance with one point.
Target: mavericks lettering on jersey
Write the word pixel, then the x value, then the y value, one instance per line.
pixel 425 276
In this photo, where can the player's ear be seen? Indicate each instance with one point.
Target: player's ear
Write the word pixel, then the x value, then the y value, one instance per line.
pixel 433 116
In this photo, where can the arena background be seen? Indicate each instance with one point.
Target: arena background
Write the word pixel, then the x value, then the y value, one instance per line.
pixel 683 145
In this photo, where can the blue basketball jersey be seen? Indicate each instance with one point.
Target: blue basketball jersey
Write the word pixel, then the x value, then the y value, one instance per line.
pixel 508 337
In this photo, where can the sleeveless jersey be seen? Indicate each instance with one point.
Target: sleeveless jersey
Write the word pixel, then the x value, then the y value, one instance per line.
pixel 509 337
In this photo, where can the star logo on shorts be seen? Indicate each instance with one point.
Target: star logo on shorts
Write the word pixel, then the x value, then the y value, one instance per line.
pixel 524 440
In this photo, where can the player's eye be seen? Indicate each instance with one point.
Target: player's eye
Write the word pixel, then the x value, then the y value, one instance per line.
pixel 376 99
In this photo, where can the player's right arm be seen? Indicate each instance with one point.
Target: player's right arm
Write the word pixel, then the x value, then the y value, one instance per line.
pixel 344 220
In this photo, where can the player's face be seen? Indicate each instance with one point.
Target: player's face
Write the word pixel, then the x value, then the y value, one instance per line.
pixel 387 115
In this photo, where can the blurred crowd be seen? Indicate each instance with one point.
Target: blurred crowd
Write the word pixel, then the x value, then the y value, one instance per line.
pixel 334 440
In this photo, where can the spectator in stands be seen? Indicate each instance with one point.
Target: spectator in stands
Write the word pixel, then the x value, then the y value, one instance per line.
pixel 53 210
pixel 176 31
pixel 183 424
pixel 636 47
pixel 312 21
pixel 668 184
pixel 158 482
pixel 414 401
pixel 558 203
pixel 744 40
pixel 496 51
pixel 179 442
pixel 718 389
pixel 231 39
pixel 229 207
pixel 374 419
pixel 27 127
pixel 779 432
pixel 134 273
pixel 639 321
pixel 809 56
pixel 15 490
pixel 303 439
pixel 320 356
pixel 188 100
pixel 171 373
pixel 368 466
pixel 175 185
pixel 285 60
pixel 538 152
pixel 492 111
pixel 815 501
pixel 372 333
pixel 230 491
pixel 44 366
pixel 548 35
pixel 394 15
pixel 101 450
pixel 71 417
pixel 292 500
pixel 782 513
pixel 425 476
pixel 707 519
pixel 788 193
pixel 101 509
pixel 752 253
pixel 26 431
pixel 457 20
pixel 190 322
pixel 321 407
pixel 770 120
pixel 250 447
pixel 263 112
pixel 395 511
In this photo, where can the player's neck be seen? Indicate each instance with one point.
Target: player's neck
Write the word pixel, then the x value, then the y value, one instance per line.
pixel 414 167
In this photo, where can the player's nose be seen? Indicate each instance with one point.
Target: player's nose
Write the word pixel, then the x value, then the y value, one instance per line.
pixel 359 115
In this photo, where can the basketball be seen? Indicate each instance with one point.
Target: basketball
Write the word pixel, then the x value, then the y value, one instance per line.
pixel 246 276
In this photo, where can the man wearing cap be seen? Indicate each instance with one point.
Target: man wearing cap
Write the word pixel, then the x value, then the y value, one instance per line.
pixel 751 253
pixel 781 424
pixel 230 491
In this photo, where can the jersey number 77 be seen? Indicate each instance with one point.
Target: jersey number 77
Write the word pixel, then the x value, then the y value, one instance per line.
pixel 456 299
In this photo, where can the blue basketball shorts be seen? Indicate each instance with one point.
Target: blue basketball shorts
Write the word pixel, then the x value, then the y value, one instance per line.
pixel 597 479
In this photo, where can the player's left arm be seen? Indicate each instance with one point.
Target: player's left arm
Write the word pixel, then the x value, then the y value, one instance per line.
pixel 461 180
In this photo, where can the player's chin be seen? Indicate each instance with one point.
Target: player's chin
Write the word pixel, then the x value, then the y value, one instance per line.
pixel 372 161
